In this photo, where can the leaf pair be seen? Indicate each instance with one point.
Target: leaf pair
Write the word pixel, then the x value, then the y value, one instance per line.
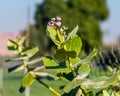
pixel 16 46
pixel 59 39
pixel 51 63
pixel 21 67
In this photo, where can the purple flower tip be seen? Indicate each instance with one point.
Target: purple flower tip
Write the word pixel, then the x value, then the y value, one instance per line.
pixel 51 23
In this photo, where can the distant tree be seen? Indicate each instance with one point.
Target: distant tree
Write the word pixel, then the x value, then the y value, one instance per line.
pixel 86 13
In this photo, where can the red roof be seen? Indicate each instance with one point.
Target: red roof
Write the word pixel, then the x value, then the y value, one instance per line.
pixel 3 42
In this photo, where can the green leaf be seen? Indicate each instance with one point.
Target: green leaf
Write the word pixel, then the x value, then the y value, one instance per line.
pixel 13 47
pixel 39 68
pixel 71 54
pixel 87 59
pixel 71 93
pixel 51 63
pixel 28 53
pixel 60 36
pixel 74 44
pixel 68 76
pixel 93 83
pixel 72 34
pixel 16 68
pixel 28 79
pixel 79 92
pixel 105 93
pixel 83 71
pixel 100 82
pixel 52 33
pixel 73 84
pixel 13 59
pixel 74 60
pixel 21 40
pixel 33 61
pixel 60 55
pixel 44 75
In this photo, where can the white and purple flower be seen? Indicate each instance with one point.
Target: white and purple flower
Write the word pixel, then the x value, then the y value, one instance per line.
pixel 58 18
pixel 56 23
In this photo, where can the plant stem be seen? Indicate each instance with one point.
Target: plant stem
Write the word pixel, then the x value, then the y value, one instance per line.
pixel 71 68
pixel 48 87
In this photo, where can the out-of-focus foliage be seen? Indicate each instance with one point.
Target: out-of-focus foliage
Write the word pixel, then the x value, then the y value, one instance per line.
pixel 108 57
pixel 86 13
pixel 38 37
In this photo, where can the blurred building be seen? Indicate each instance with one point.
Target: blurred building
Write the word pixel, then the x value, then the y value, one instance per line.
pixel 3 42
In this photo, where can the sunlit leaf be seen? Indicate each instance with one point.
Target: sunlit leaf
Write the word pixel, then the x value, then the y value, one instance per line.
pixel 87 59
pixel 100 82
pixel 28 79
pixel 74 60
pixel 73 84
pixel 74 44
pixel 26 54
pixel 83 71
pixel 52 33
pixel 79 92
pixel 51 63
pixel 44 75
pixel 105 93
pixel 13 47
pixel 16 68
pixel 60 36
pixel 39 68
pixel 33 61
pixel 93 83
pixel 13 59
pixel 21 40
pixel 72 33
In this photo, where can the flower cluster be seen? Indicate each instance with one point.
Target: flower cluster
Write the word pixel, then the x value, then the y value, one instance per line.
pixel 56 23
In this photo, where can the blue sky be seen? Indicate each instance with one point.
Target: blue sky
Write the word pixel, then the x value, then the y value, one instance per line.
pixel 13 14
pixel 13 17
pixel 111 27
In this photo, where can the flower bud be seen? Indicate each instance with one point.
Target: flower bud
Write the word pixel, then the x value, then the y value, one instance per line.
pixel 51 23
pixel 53 19
pixel 58 24
pixel 58 18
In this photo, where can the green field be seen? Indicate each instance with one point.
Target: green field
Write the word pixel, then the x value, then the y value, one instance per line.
pixel 11 85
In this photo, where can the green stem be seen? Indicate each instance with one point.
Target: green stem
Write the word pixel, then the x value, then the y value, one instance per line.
pixel 71 68
pixel 48 87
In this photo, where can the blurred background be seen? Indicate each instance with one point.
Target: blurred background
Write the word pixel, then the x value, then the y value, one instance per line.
pixel 98 23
